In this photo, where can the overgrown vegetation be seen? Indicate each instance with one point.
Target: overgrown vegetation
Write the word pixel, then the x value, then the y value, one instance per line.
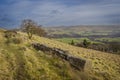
pixel 112 47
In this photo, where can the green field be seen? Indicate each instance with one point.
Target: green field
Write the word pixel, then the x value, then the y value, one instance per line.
pixel 80 40
pixel 69 40
pixel 117 39
pixel 76 40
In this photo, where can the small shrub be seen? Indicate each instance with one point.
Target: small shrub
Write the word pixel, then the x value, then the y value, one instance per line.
pixel 86 43
pixel 10 34
pixel 72 42
pixel 16 40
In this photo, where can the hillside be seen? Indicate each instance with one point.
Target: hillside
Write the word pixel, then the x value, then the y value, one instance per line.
pixel 84 30
pixel 22 62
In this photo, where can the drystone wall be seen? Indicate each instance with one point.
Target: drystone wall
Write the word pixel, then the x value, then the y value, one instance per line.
pixel 76 62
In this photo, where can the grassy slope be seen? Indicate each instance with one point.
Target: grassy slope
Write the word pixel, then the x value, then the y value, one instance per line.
pixel 103 64
pixel 29 64
pixel 22 62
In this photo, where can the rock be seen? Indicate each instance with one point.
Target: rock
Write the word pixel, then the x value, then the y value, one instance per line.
pixel 76 62
pixel 88 65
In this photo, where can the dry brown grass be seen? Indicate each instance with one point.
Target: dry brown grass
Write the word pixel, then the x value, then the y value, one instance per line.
pixel 105 66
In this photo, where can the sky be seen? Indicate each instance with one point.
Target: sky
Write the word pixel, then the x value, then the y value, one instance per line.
pixel 59 12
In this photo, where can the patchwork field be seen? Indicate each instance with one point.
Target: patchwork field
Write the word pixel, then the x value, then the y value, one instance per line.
pixel 84 30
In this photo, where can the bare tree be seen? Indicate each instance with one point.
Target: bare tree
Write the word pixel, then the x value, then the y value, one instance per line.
pixel 30 27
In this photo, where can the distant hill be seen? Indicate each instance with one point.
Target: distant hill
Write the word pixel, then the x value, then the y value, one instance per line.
pixel 20 61
pixel 84 30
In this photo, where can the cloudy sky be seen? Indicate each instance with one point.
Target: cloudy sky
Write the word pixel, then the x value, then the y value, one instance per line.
pixel 59 12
